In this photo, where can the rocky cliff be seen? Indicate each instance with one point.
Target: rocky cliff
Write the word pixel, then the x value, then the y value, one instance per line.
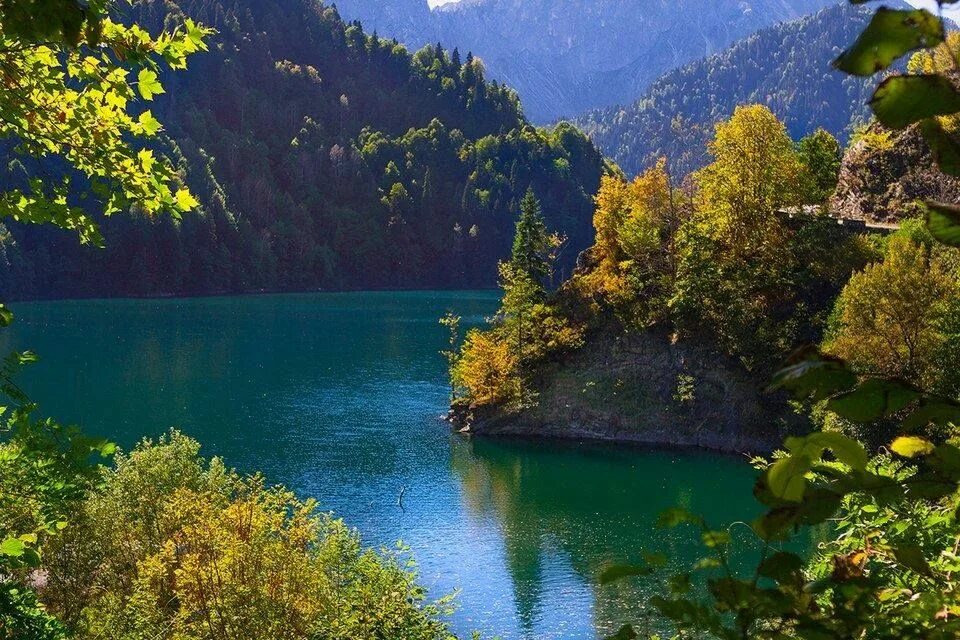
pixel 885 174
pixel 647 389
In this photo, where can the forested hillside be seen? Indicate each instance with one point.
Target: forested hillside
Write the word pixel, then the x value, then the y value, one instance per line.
pixel 567 56
pixel 782 67
pixel 323 157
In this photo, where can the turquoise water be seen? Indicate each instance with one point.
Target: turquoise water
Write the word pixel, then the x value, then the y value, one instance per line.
pixel 340 396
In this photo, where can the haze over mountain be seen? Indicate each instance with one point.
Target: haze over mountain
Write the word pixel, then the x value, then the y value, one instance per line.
pixel 786 67
pixel 567 56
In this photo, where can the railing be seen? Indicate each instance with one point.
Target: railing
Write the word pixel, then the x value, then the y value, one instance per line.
pixel 799 215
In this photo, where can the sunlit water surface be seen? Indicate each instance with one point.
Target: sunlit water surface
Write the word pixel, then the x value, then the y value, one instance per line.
pixel 339 396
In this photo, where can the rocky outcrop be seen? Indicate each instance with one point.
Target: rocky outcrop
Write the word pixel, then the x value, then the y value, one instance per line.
pixel 885 174
pixel 647 389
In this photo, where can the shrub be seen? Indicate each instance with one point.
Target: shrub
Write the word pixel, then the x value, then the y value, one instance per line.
pixel 172 546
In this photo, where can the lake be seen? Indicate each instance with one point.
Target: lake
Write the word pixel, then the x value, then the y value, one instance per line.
pixel 339 396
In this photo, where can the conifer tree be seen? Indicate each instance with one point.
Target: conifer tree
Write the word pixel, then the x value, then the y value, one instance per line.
pixel 532 244
pixel 524 275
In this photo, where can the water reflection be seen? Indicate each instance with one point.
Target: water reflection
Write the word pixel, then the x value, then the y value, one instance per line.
pixel 593 505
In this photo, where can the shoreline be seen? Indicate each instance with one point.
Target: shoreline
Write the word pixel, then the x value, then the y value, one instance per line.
pixel 244 294
pixel 600 442
pixel 520 427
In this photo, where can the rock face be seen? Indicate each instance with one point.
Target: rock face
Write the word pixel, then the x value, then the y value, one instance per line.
pixel 567 56
pixel 886 173
pixel 648 390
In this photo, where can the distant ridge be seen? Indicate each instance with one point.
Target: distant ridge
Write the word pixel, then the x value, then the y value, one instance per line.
pixel 565 57
pixel 787 67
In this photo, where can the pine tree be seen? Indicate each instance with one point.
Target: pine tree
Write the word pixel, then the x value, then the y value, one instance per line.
pixel 532 245
pixel 522 277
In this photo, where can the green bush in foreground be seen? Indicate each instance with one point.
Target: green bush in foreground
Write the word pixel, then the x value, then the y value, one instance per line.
pixel 172 546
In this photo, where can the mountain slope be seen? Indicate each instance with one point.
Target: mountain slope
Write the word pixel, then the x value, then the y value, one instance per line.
pixel 786 67
pixel 567 56
pixel 323 158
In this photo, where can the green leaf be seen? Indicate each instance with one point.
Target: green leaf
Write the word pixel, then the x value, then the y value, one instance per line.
pixel 944 145
pixel 713 539
pixel 676 516
pixel 890 35
pixel 872 400
pixel 787 477
pixel 6 316
pixel 782 567
pixel 943 221
pixel 704 564
pixel 946 460
pixel 655 559
pixel 150 125
pixel 148 83
pixel 818 506
pixel 847 450
pixel 911 447
pixel 810 374
pixel 680 584
pixel 616 572
pixel 775 524
pixel 912 558
pixel 12 547
pixel 941 413
pixel 903 100
pixel 185 200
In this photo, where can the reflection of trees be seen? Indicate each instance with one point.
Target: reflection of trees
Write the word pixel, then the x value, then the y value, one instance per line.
pixel 597 505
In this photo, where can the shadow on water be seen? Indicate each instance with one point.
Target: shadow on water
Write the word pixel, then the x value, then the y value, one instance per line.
pixel 594 505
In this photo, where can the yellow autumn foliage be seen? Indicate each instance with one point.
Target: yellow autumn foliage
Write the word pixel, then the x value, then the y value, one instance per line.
pixel 487 369
pixel 898 318
pixel 173 548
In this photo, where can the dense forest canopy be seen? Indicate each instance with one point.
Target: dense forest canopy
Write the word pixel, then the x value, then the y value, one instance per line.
pixel 322 157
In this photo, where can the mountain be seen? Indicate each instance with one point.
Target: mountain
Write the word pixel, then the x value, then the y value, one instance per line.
pixel 565 57
pixel 786 67
pixel 323 158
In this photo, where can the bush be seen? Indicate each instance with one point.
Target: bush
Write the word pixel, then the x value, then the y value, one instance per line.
pixel 172 546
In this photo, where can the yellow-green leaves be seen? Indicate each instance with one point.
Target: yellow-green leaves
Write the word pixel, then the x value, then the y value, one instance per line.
pixel 911 447
pixel 72 108
pixel 148 125
pixel 12 547
pixel 148 84
pixel 185 200
pixel 873 399
pixel 903 100
pixel 787 479
pixel 943 220
pixel 890 35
